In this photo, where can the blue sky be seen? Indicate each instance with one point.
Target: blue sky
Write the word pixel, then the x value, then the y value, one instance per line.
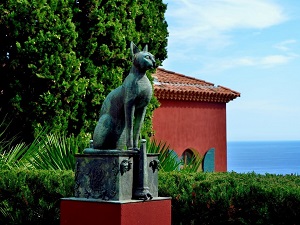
pixel 250 46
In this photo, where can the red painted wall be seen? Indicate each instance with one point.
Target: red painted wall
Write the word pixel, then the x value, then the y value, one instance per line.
pixel 193 125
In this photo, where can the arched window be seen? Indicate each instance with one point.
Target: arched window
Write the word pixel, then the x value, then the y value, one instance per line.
pixel 187 156
pixel 209 161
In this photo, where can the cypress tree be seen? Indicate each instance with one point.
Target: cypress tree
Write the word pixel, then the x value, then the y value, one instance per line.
pixel 60 58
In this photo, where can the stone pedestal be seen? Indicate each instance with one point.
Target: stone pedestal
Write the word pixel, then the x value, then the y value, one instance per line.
pixel 107 175
pixel 153 163
pixel 106 181
pixel 77 211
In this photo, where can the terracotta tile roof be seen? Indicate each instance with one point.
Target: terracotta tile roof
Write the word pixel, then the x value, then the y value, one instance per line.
pixel 171 85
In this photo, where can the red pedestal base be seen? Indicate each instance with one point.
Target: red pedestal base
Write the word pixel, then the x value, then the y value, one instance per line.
pixel 74 211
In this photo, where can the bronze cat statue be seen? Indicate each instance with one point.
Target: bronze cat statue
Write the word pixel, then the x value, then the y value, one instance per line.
pixel 123 111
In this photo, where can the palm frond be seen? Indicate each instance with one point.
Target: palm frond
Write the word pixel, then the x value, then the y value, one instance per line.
pixel 6 211
pixel 49 151
pixel 168 159
pixel 55 152
pixel 194 165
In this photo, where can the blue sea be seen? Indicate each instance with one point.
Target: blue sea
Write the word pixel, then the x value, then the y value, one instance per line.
pixel 275 157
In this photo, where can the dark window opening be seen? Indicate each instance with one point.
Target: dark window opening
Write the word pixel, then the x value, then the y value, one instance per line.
pixel 187 156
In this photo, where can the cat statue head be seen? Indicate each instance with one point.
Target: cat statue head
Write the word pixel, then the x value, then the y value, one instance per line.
pixel 142 60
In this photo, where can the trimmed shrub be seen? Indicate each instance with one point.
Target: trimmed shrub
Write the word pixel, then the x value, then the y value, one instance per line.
pixel 33 197
pixel 231 198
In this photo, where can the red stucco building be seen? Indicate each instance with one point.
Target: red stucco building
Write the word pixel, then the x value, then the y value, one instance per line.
pixel 192 115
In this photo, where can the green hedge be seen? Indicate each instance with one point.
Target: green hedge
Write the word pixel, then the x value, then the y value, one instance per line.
pixel 32 197
pixel 231 198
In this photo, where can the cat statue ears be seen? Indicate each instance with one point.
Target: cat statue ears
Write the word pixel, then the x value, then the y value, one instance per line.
pixel 134 49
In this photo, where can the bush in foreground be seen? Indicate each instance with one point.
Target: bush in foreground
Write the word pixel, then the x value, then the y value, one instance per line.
pixel 231 198
pixel 33 196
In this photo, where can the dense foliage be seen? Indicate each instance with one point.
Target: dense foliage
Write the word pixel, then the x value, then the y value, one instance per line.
pixel 169 160
pixel 60 58
pixel 46 152
pixel 231 198
pixel 32 197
